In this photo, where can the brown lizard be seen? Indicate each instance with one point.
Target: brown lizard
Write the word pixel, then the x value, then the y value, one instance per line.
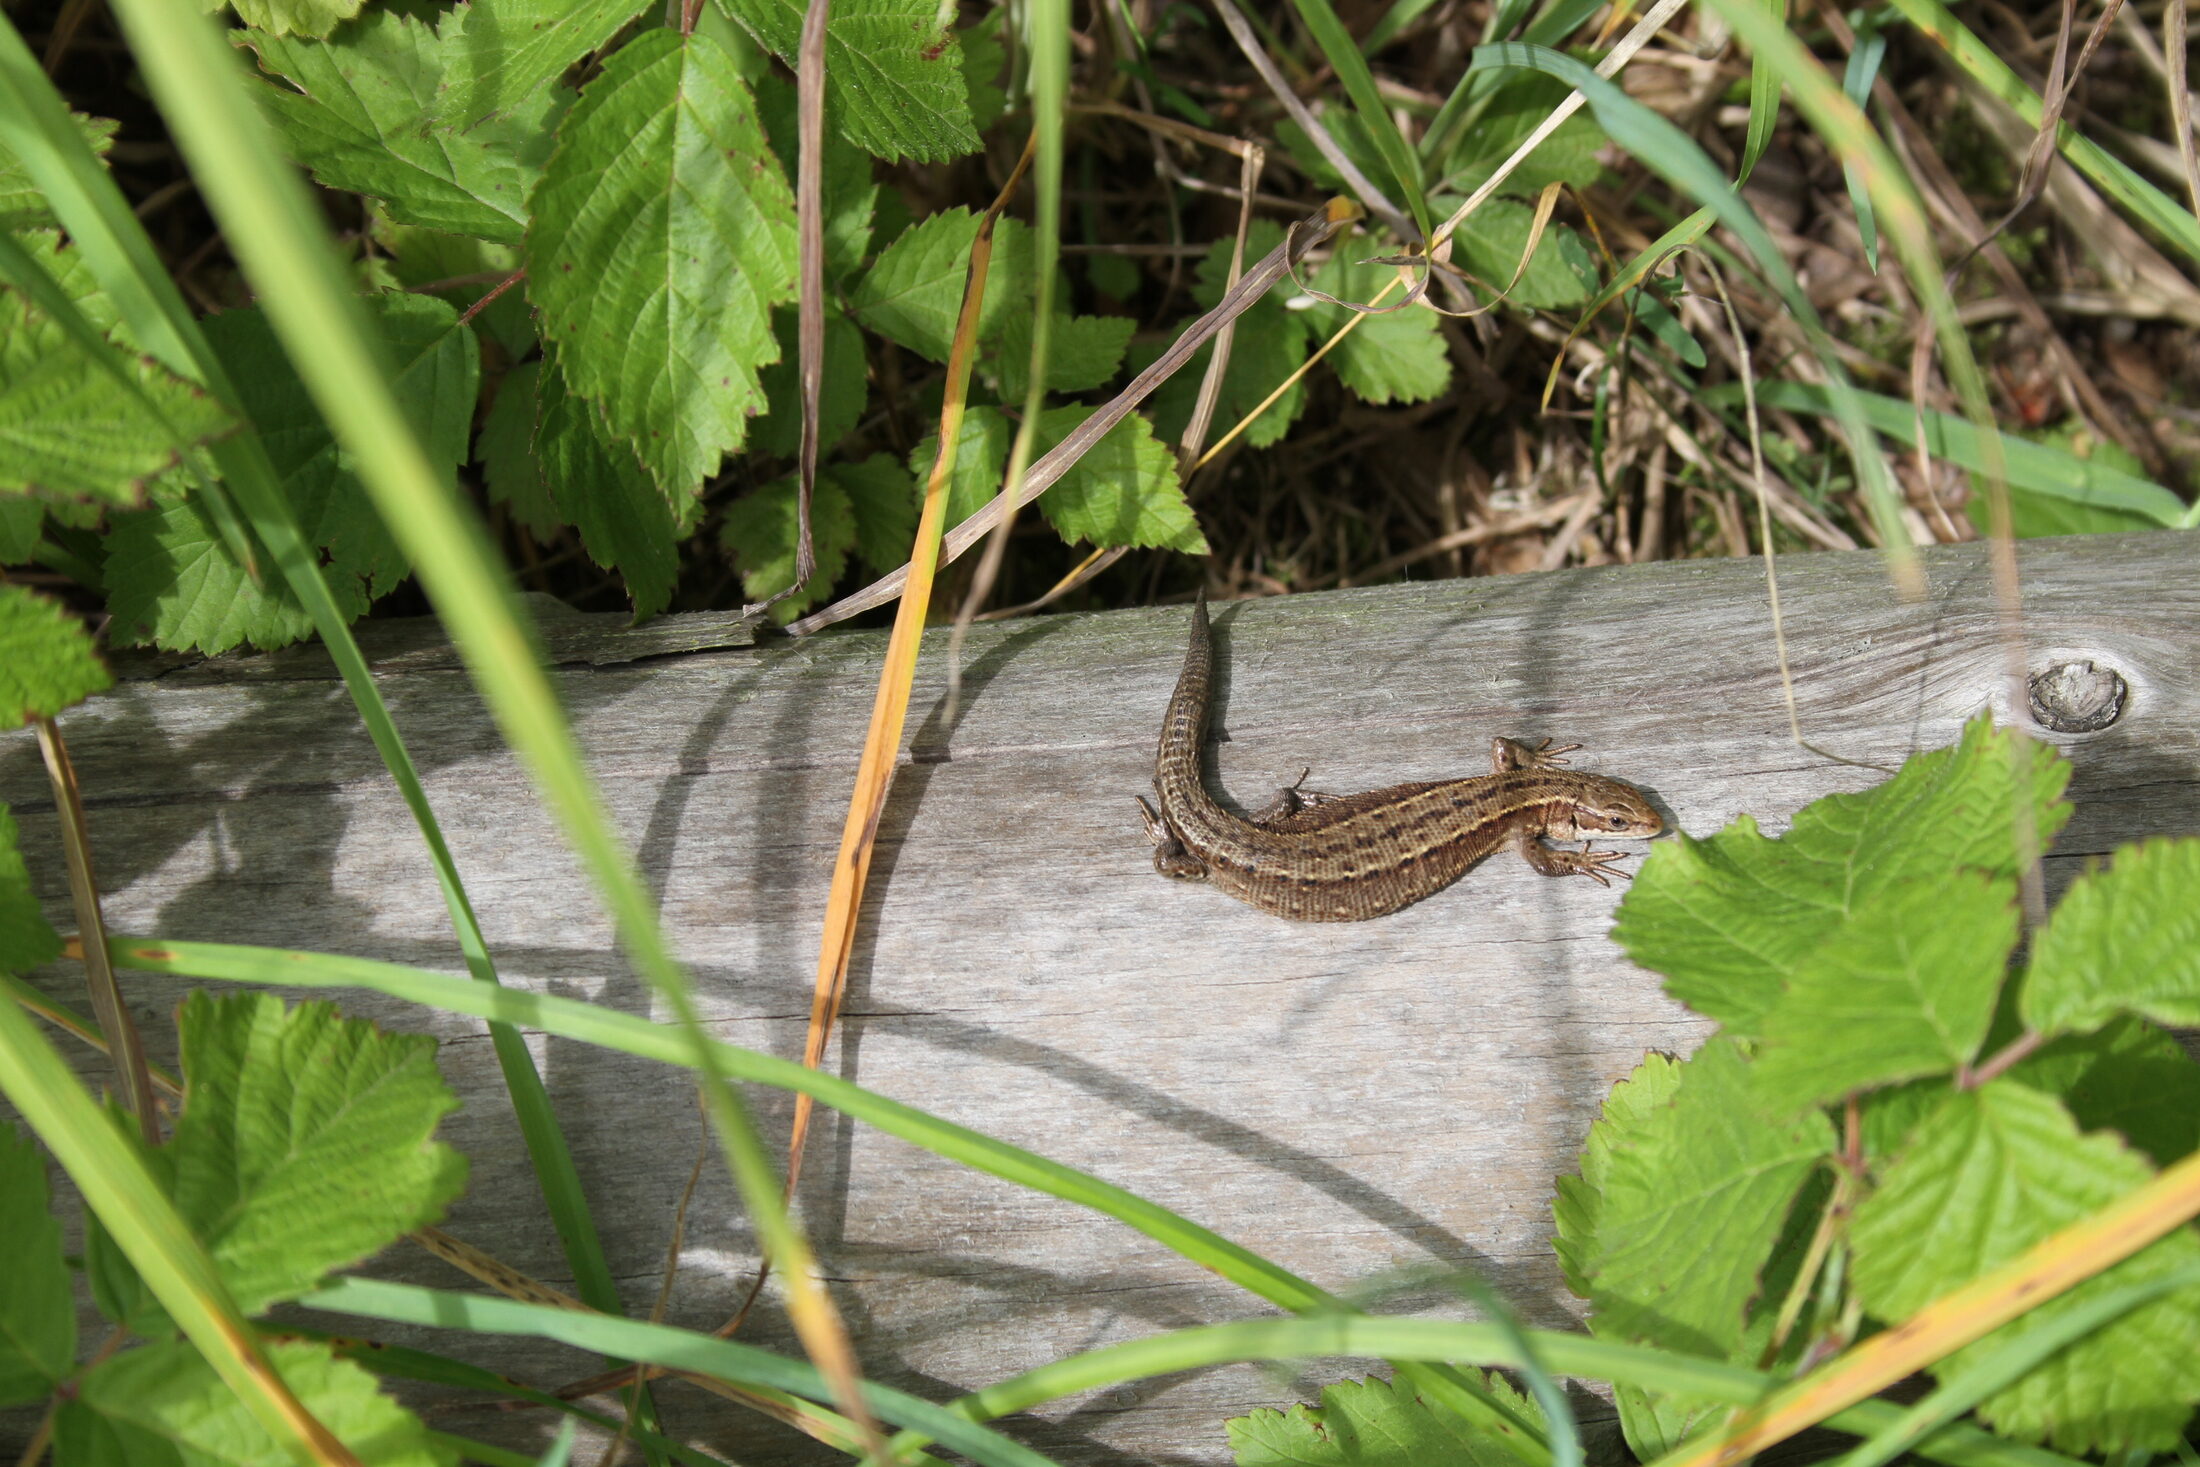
pixel 1344 858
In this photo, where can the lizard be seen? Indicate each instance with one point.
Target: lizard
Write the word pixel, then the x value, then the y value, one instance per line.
pixel 1345 858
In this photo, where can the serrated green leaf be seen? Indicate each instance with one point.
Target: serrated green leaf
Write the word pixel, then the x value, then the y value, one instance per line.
pixel 162 1403
pixel 22 202
pixel 501 53
pixel 2122 940
pixel 22 523
pixel 1904 988
pixel 601 489
pixel 981 457
pixel 848 192
pixel 1693 1197
pixel 305 1142
pixel 1727 919
pixel 1270 344
pixel 437 376
pixel 1490 244
pixel 459 269
pixel 1083 352
pixel 1122 491
pixel 68 428
pixel 893 73
pixel 1397 356
pixel 172 582
pixel 37 1317
pixel 1519 107
pixel 26 938
pixel 1580 1200
pixel 2009 1164
pixel 663 235
pixel 506 449
pixel 761 531
pixel 844 388
pixel 912 294
pixel 46 658
pixel 884 502
pixel 2126 1076
pixel 367 115
pixel 290 17
pixel 1375 1423
pixel 984 59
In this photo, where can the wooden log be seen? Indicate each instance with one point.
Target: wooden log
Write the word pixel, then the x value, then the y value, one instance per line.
pixel 1352 1101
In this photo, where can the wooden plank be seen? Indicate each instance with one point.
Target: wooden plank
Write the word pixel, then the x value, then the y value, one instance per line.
pixel 1349 1100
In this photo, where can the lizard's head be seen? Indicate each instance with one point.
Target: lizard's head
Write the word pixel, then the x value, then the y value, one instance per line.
pixel 1610 808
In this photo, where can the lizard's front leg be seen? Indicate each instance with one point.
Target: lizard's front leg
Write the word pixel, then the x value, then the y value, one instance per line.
pixel 1291 799
pixel 1169 856
pixel 1510 754
pixel 1556 861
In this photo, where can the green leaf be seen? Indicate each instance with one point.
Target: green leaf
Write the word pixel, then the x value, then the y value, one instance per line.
pixel 842 393
pixel 68 428
pixel 893 73
pixel 884 501
pixel 1490 244
pixel 2009 1164
pixel 22 524
pixel 46 658
pixel 601 489
pixel 1904 988
pixel 162 1404
pixel 1628 1111
pixel 288 17
pixel 1123 491
pixel 761 531
pixel 412 258
pixel 850 194
pixel 2036 516
pixel 1694 1193
pixel 305 1140
pixel 22 202
pixel 501 53
pixel 663 235
pixel 1397 356
pixel 367 115
pixel 37 1318
pixel 1519 107
pixel 26 938
pixel 981 457
pixel 2122 940
pixel 437 377
pixel 984 59
pixel 2125 1076
pixel 172 582
pixel 913 292
pixel 1082 353
pixel 1727 919
pixel 506 448
pixel 1375 1423
pixel 1269 345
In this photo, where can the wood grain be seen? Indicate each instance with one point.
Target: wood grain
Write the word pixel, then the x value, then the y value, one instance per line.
pixel 1354 1101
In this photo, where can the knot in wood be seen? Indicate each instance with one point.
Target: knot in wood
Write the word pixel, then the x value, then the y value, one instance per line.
pixel 2077 697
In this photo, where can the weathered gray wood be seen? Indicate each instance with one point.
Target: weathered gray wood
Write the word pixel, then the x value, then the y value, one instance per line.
pixel 1350 1100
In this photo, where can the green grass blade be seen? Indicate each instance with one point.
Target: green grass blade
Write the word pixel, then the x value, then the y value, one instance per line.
pixel 2108 173
pixel 659 1344
pixel 116 1185
pixel 1856 83
pixel 1764 99
pixel 2038 467
pixel 1344 57
pixel 113 243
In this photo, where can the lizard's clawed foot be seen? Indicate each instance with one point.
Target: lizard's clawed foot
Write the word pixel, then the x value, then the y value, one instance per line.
pixel 1508 754
pixel 1594 864
pixel 1291 799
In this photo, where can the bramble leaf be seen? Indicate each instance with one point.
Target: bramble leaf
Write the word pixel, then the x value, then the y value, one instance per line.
pixel 1122 491
pixel 761 531
pixel 893 73
pixel 37 1318
pixel 843 389
pixel 1580 1201
pixel 1083 352
pixel 663 234
pixel 600 488
pixel 23 203
pixel 2122 940
pixel 885 505
pixel 1727 919
pixel 2126 1076
pixel 172 582
pixel 368 115
pixel 26 938
pixel 46 658
pixel 68 428
pixel 1519 107
pixel 501 53
pixel 1695 1190
pixel 506 448
pixel 1269 345
pixel 2009 1163
pixel 913 292
pixel 291 17
pixel 1904 988
pixel 162 1404
pixel 1375 1423
pixel 981 458
pixel 304 1144
pixel 850 195
pixel 1397 356
pixel 1490 244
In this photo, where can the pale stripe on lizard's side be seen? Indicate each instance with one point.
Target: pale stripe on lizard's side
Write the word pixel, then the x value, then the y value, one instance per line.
pixel 1343 858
